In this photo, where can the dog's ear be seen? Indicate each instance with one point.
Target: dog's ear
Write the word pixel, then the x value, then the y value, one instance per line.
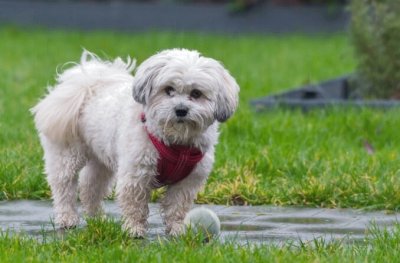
pixel 144 78
pixel 227 96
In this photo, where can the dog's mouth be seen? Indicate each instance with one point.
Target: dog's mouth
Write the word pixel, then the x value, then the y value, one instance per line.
pixel 179 125
pixel 180 130
pixel 183 123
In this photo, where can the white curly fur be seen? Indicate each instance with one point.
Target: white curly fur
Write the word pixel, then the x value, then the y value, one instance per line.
pixel 89 125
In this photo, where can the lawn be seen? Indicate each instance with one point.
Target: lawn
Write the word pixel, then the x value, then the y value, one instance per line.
pixel 102 241
pixel 278 157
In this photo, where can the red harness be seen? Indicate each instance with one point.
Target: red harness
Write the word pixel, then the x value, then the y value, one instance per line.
pixel 175 162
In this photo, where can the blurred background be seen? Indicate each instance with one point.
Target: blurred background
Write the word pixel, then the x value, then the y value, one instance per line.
pixel 221 16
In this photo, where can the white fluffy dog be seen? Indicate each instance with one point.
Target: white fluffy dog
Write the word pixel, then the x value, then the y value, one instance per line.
pixel 89 124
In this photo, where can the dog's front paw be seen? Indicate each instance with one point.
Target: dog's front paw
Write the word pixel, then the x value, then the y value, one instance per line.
pixel 176 229
pixel 135 230
pixel 95 213
pixel 67 220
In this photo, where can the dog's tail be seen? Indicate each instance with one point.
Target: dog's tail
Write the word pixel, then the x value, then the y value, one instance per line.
pixel 56 115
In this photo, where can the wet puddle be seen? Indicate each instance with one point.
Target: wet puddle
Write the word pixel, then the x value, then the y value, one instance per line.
pixel 243 227
pixel 341 231
pixel 233 218
pixel 299 220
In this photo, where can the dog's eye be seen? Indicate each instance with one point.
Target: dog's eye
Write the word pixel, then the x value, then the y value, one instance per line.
pixel 169 90
pixel 195 94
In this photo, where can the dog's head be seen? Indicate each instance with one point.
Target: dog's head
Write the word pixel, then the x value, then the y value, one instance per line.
pixel 185 92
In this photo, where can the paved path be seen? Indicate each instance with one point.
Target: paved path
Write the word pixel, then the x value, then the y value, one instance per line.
pixel 258 224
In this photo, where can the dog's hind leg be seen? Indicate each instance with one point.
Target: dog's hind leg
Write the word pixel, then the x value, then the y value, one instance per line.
pixel 62 165
pixel 94 185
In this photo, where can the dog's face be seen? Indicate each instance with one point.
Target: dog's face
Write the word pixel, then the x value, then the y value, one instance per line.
pixel 184 93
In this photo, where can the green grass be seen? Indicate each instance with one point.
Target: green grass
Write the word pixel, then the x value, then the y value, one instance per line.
pixel 279 157
pixel 102 241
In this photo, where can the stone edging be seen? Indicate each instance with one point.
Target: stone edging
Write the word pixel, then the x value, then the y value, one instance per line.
pixel 331 93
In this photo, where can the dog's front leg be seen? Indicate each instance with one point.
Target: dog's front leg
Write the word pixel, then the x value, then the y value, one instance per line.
pixel 177 202
pixel 133 193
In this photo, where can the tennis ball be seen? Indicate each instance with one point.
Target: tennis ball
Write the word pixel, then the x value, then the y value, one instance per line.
pixel 203 221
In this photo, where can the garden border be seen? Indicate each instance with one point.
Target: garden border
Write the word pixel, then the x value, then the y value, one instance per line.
pixel 330 93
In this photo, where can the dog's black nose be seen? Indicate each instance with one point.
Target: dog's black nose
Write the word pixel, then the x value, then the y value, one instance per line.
pixel 181 111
